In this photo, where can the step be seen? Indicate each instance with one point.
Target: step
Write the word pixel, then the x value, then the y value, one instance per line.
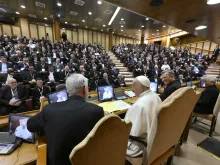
pixel 122 69
pixel 126 73
pixel 128 83
pixel 128 76
pixel 129 79
pixel 119 64
pixel 116 61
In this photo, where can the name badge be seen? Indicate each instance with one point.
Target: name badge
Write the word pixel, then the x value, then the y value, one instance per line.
pixel 22 69
pixel 43 70
pixel 58 70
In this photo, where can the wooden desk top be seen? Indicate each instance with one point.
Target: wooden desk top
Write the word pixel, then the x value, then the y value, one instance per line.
pixel 26 154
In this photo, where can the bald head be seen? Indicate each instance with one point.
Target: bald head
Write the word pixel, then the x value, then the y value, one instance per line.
pixel 12 83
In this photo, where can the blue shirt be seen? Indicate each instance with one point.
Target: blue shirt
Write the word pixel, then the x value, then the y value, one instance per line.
pixel 4 67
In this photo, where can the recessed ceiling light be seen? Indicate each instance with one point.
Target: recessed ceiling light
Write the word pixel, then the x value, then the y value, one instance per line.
pixel 66 22
pixel 22 6
pixel 122 19
pixel 157 30
pixel 201 27
pixel 63 28
pixel 113 32
pixel 103 25
pixel 142 26
pixel 125 35
pixel 121 30
pixel 99 2
pixel 58 15
pixel 90 13
pixel 45 18
pixel 147 18
pixel 83 20
pixel 139 30
pixel 137 34
pixel 102 30
pixel 122 26
pixel 86 26
pixel 164 26
pixel 59 4
pixel 153 34
pixel 46 25
pixel 17 12
pixel 212 2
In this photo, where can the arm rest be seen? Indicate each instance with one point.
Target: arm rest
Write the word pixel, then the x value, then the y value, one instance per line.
pixel 139 140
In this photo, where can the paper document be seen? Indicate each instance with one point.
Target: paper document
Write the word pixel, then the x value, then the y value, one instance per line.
pixel 13 100
pixel 4 148
pixel 114 106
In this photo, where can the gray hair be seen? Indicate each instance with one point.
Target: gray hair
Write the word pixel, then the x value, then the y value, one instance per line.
pixel 75 83
pixel 209 78
pixel 169 72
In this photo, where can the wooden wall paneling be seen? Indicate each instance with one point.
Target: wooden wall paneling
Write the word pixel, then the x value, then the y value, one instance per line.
pixel 103 40
pixel 213 46
pixel 205 52
pixel 90 37
pixel 107 42
pixel 206 45
pixel 41 32
pixel 53 30
pixel 37 33
pixel 62 30
pixel 16 31
pixel 113 40
pixel 1 30
pixel 85 36
pixel 199 45
pixel 80 34
pixel 120 40
pixel 7 29
pixel 202 47
pixel 50 33
pixel 99 38
pixel 33 30
pixel 75 37
pixel 69 35
pixel 25 30
pixel 94 37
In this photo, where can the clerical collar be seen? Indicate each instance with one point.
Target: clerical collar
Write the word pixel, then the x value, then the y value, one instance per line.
pixel 145 92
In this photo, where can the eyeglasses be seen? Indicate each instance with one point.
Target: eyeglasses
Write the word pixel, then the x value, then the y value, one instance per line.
pixel 13 82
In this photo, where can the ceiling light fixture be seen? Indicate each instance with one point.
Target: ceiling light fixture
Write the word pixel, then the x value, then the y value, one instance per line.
pixel 147 18
pixel 139 30
pixel 22 6
pixel 122 19
pixel 201 27
pixel 90 13
pixel 164 26
pixel 213 2
pixel 63 28
pixel 99 2
pixel 153 34
pixel 103 25
pixel 102 30
pixel 122 26
pixel 114 15
pixel 142 26
pixel 83 20
pixel 86 26
pixel 113 32
pixel 157 30
pixel 121 30
pixel 59 4
pixel 58 15
pixel 66 22
pixel 17 12
pixel 45 18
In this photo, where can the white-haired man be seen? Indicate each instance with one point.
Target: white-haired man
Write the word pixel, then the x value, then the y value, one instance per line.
pixel 67 123
pixel 208 97
pixel 141 113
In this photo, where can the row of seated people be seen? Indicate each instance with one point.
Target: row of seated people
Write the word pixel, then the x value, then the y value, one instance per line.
pixel 152 59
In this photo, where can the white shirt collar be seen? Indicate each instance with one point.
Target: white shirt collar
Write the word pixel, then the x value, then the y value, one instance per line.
pixel 145 92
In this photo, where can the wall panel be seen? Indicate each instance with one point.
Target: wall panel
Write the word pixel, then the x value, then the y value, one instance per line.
pixel 120 40
pixel 69 35
pixel 99 38
pixel 50 33
pixel 80 34
pixel 113 41
pixel 103 40
pixel 213 46
pixel 33 29
pixel 107 42
pixel 94 37
pixel 41 32
pixel 1 29
pixel 24 27
pixel 206 45
pixel 90 37
pixel 16 31
pixel 7 29
pixel 199 45
pixel 85 36
pixel 75 37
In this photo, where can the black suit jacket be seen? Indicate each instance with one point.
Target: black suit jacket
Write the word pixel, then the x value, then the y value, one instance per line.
pixel 36 93
pixel 6 95
pixel 170 89
pixel 103 82
pixel 207 100
pixel 8 66
pixel 65 125
pixel 28 76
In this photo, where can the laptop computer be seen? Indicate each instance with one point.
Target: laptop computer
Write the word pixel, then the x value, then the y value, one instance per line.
pixel 189 84
pixel 202 84
pixel 154 86
pixel 59 96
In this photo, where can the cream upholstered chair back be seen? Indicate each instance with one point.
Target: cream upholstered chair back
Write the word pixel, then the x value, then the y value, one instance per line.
pixel 217 107
pixel 106 144
pixel 169 122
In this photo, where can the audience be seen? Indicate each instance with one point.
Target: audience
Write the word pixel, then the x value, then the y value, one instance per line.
pixel 73 122
pixel 141 113
pixel 208 97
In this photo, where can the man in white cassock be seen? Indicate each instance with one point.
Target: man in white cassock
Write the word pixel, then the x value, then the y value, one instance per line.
pixel 141 113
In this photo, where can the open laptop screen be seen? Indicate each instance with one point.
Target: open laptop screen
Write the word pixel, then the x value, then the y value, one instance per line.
pixel 105 93
pixel 17 124
pixel 202 83
pixel 59 96
pixel 189 84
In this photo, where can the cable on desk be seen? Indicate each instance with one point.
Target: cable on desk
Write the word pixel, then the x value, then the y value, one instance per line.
pixel 17 156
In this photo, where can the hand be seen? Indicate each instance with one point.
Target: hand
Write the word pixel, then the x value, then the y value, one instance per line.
pixel 12 103
pixel 18 103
